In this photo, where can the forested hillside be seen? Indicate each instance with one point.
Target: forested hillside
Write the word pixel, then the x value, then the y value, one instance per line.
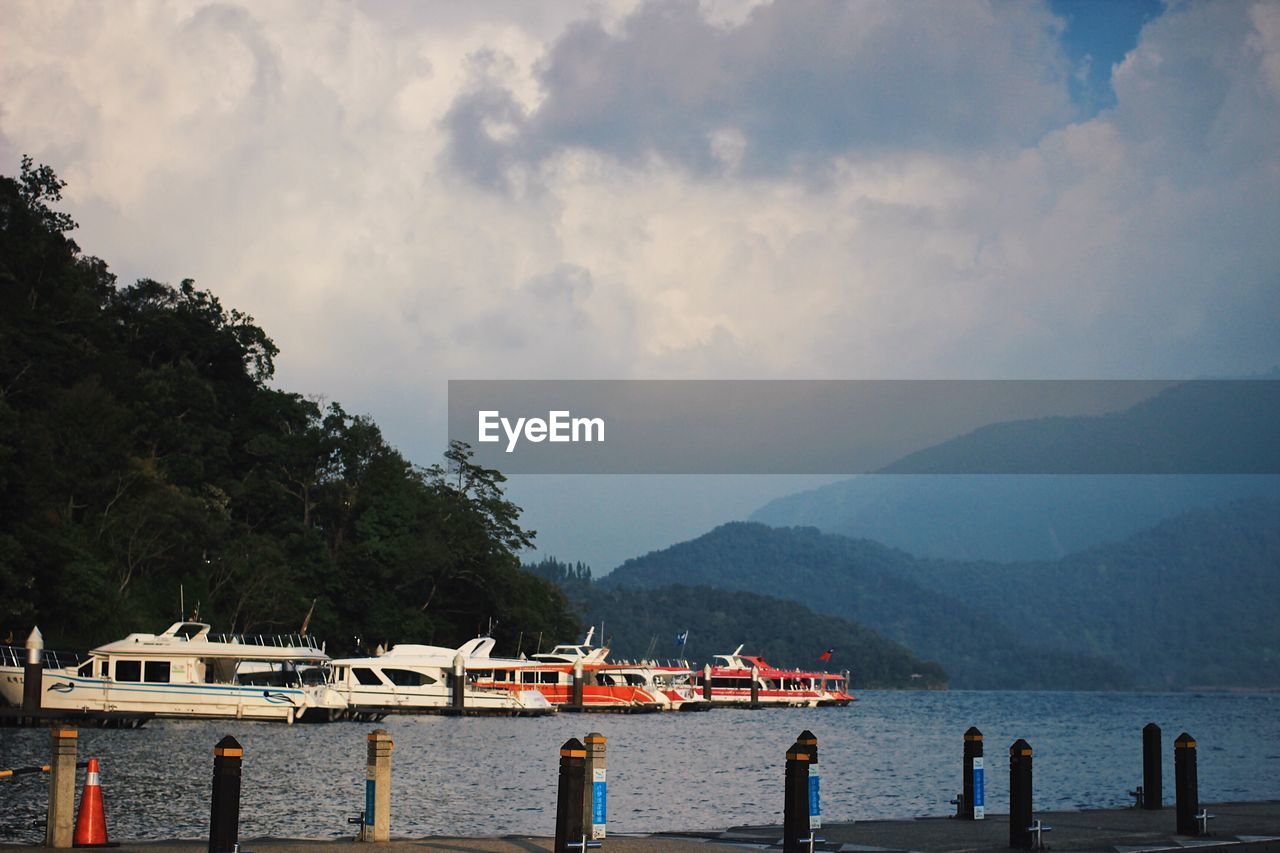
pixel 1189 602
pixel 643 623
pixel 143 450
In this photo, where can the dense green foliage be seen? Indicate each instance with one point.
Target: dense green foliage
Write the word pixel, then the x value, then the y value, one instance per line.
pixel 858 580
pixel 643 623
pixel 143 450
pixel 1190 602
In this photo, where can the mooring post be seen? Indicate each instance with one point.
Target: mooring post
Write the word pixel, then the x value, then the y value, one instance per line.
pixel 1152 790
pixel 973 802
pixel 809 740
pixel 459 683
pixel 569 824
pixel 60 820
pixel 33 674
pixel 1020 795
pixel 377 788
pixel 1185 784
pixel 706 682
pixel 595 788
pixel 224 812
pixel 755 687
pixel 795 800
pixel 576 699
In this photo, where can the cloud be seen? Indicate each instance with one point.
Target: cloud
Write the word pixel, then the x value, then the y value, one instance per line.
pixel 404 193
pixel 791 84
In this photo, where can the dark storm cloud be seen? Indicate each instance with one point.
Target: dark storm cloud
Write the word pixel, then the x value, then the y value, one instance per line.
pixel 797 83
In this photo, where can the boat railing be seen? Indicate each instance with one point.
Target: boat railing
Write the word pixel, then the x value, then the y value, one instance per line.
pixel 17 656
pixel 278 641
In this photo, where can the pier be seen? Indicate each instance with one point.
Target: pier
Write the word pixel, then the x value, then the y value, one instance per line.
pixel 1245 826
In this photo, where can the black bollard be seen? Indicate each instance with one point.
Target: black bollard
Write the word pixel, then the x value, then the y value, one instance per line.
pixel 224 818
pixel 755 687
pixel 33 674
pixel 1186 787
pixel 459 683
pixel 1020 795
pixel 972 804
pixel 575 700
pixel 795 802
pixel 1152 790
pixel 706 682
pixel 569 817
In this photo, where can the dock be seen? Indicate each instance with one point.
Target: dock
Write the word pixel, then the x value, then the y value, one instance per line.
pixel 18 718
pixel 1252 826
pixel 1243 826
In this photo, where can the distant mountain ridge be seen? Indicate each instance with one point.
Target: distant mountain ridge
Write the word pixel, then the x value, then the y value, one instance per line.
pixel 1212 426
pixel 1149 611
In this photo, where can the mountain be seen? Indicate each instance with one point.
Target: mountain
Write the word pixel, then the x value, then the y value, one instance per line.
pixel 638 622
pixel 864 581
pixel 1004 517
pixel 1038 492
pixel 1189 602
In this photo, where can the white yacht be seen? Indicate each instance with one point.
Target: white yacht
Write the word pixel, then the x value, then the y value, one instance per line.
pixel 412 678
pixel 188 672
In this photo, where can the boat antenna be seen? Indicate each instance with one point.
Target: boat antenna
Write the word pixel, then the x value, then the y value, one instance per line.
pixel 539 643
pixel 307 619
pixel 182 604
pixel 519 643
pixel 653 645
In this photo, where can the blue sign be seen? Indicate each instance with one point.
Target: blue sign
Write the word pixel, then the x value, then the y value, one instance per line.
pixel 979 795
pixel 815 797
pixel 369 786
pixel 599 802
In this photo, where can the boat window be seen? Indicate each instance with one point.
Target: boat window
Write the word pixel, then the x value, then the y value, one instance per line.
pixel 188 630
pixel 365 676
pixel 407 677
pixel 529 677
pixel 128 670
pixel 549 677
pixel 156 672
pixel 86 669
pixel 102 669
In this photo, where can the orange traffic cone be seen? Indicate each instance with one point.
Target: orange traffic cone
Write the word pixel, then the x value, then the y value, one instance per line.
pixel 91 822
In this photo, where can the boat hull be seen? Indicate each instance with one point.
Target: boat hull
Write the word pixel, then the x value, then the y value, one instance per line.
pixel 67 691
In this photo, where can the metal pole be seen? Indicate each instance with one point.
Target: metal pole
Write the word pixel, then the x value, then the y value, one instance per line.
pixel 33 674
pixel 459 683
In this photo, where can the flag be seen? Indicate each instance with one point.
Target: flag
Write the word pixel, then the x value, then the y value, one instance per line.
pixel 826 656
pixel 681 639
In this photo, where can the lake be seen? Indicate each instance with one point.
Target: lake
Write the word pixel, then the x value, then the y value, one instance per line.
pixel 889 755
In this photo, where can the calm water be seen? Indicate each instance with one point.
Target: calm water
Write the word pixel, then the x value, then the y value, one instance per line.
pixel 892 754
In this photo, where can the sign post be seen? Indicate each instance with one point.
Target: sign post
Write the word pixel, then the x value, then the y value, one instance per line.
pixel 979 793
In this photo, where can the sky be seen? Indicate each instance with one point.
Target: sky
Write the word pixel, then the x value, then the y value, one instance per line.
pixel 403 192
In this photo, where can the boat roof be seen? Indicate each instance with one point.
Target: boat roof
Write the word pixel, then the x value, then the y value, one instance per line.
pixel 194 639
pixel 574 652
